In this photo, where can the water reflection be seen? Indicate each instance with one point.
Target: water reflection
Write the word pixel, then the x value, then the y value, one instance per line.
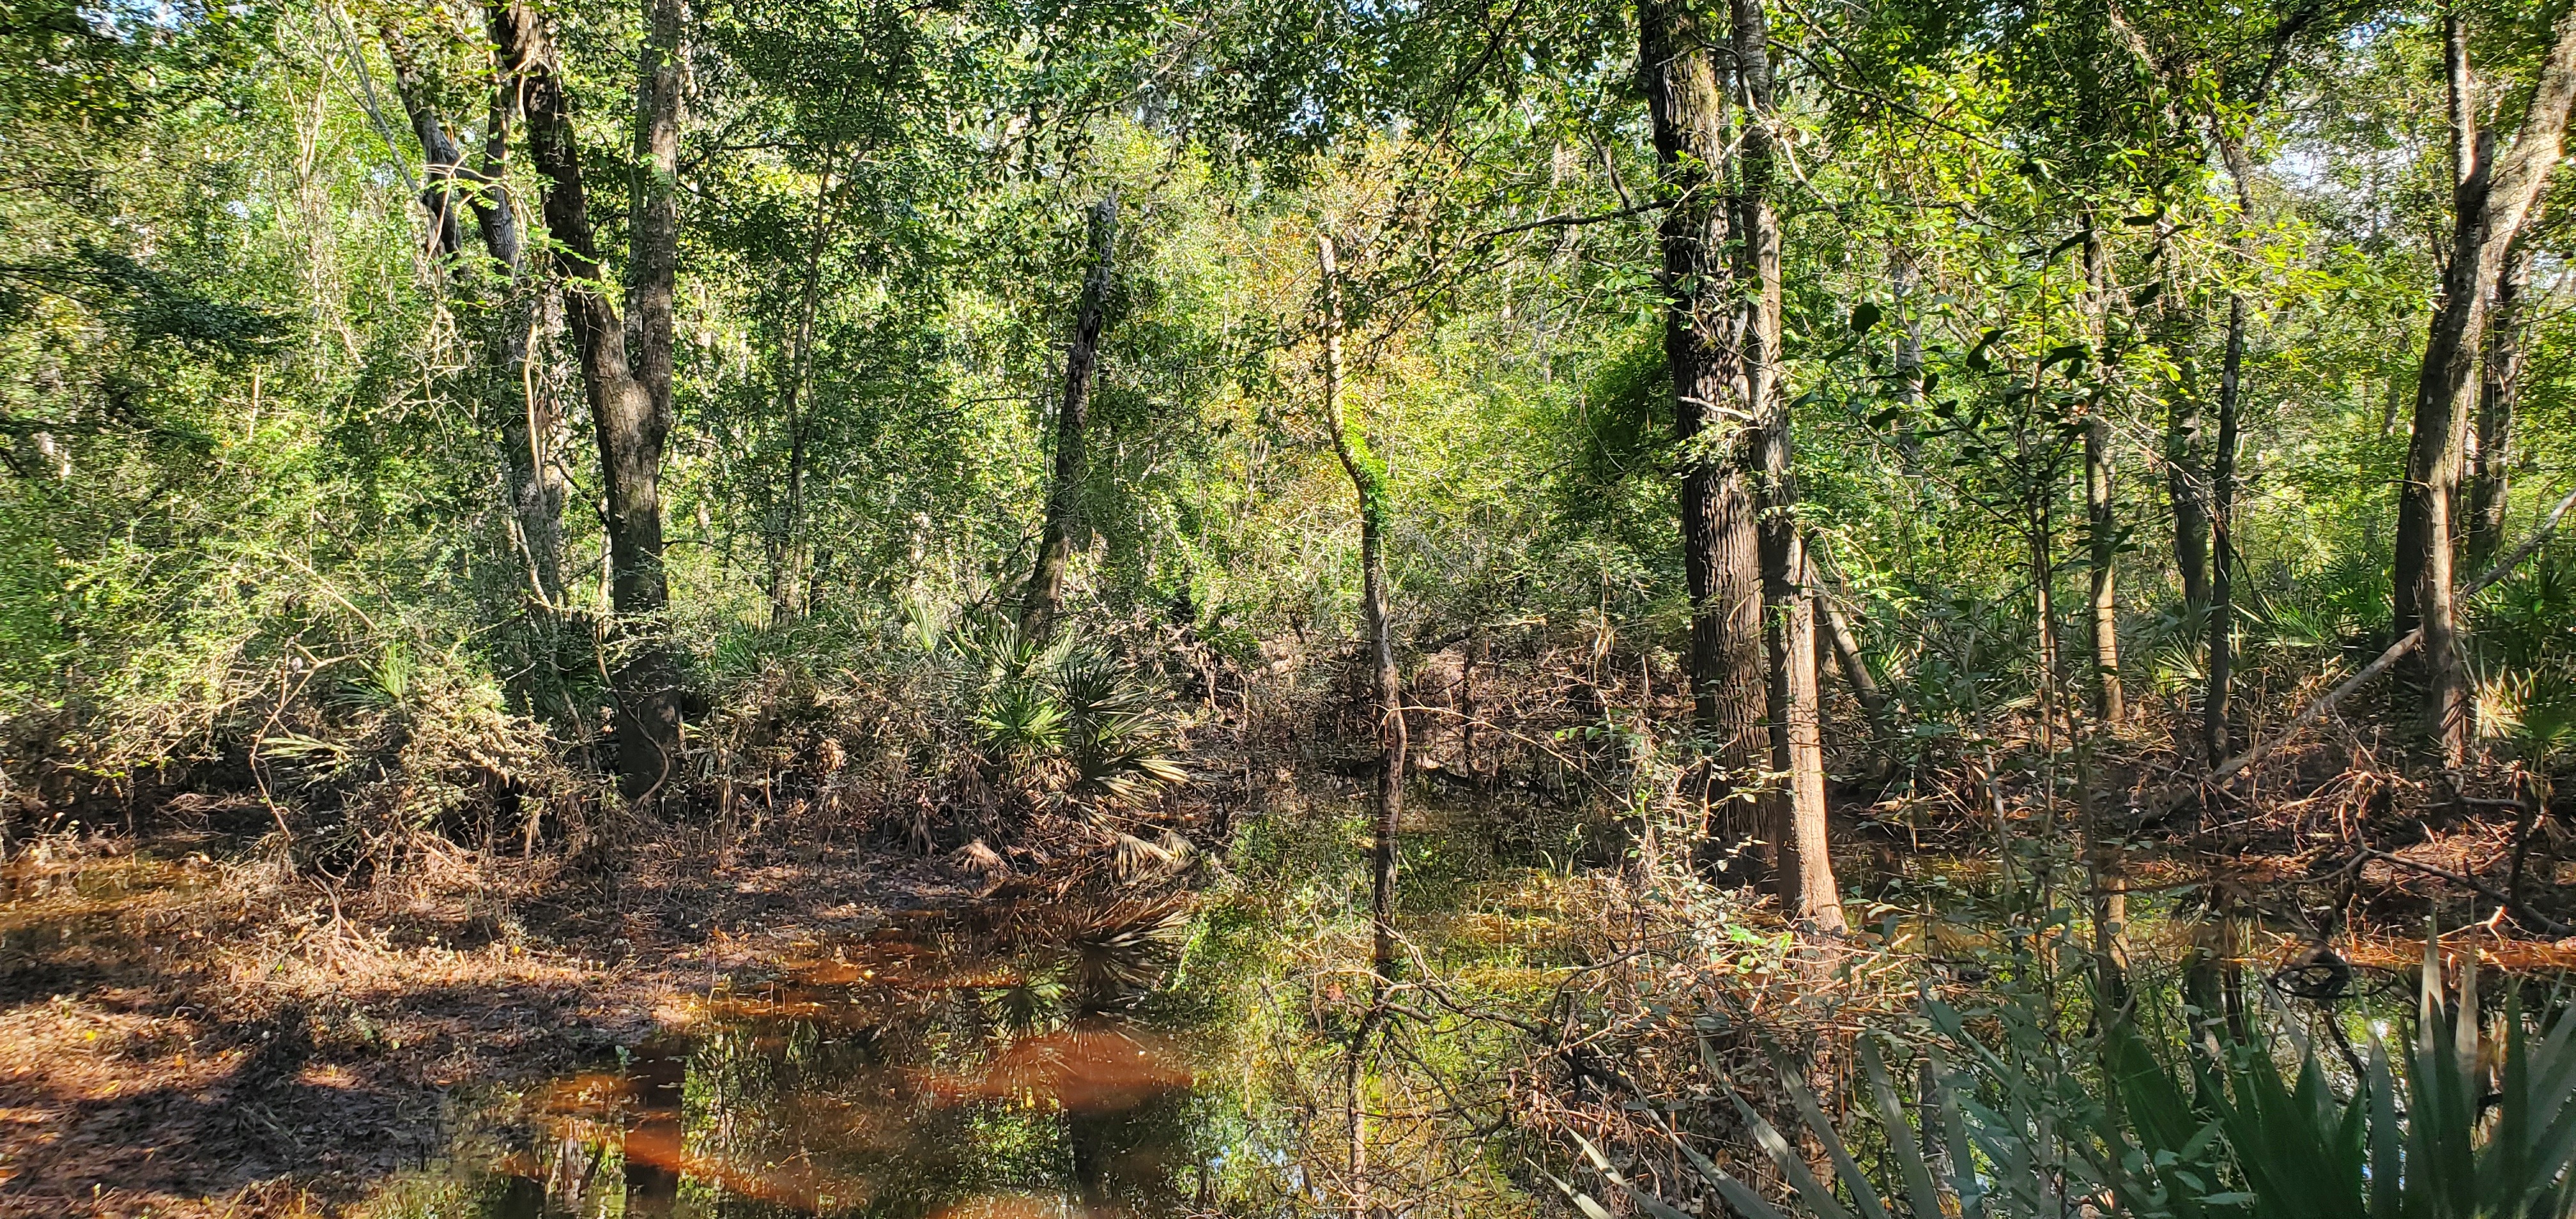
pixel 931 1070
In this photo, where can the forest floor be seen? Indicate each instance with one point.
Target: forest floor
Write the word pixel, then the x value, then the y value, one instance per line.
pixel 181 1036
pixel 190 1029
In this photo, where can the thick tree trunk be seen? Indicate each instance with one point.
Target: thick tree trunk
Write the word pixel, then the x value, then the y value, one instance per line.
pixel 1720 545
pixel 2492 198
pixel 2499 396
pixel 1073 416
pixel 629 397
pixel 1793 702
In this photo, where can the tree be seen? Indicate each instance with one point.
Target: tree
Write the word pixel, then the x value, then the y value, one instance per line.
pixel 2500 381
pixel 1368 480
pixel 1793 699
pixel 1073 413
pixel 2491 198
pixel 626 378
pixel 525 422
pixel 1703 352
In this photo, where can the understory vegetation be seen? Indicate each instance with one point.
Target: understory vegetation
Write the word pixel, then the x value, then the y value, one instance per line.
pixel 1643 608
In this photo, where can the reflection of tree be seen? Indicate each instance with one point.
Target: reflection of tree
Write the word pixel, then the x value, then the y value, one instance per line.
pixel 1128 1157
pixel 910 1076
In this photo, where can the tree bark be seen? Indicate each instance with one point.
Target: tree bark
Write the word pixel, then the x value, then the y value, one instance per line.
pixel 1368 480
pixel 1793 702
pixel 1073 416
pixel 1720 545
pixel 629 395
pixel 2216 734
pixel 2490 201
pixel 2186 482
pixel 2499 397
pixel 2102 528
pixel 524 419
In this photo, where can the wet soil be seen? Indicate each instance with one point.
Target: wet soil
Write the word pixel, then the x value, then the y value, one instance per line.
pixel 185 1037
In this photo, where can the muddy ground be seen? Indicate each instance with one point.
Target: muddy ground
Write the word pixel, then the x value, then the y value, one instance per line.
pixel 186 1035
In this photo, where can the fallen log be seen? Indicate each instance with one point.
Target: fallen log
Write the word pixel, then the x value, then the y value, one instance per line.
pixel 2170 796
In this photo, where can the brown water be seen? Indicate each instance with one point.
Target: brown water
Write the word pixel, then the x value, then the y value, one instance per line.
pixel 926 1070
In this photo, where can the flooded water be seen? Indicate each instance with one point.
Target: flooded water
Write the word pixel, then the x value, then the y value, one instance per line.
pixel 1149 1055
pixel 930 1069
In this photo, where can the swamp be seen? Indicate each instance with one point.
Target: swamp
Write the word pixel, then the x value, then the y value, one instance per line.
pixel 1186 609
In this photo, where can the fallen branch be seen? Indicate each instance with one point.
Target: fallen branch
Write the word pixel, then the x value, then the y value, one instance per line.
pixel 2386 660
pixel 2506 900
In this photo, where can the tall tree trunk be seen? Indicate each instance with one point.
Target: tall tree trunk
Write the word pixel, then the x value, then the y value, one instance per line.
pixel 1064 496
pixel 524 419
pixel 2499 396
pixel 2102 528
pixel 786 571
pixel 1720 544
pixel 1904 280
pixel 529 419
pixel 2186 482
pixel 1792 702
pixel 629 397
pixel 2040 532
pixel 2216 735
pixel 1368 480
pixel 2492 198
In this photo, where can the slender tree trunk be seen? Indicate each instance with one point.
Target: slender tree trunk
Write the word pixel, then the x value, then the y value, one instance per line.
pixel 2492 198
pixel 2041 533
pixel 1064 498
pixel 1720 544
pixel 785 569
pixel 524 419
pixel 629 397
pixel 1852 661
pixel 1848 654
pixel 1793 702
pixel 1368 479
pixel 2186 482
pixel 2102 528
pixel 1904 280
pixel 2216 735
pixel 2499 396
